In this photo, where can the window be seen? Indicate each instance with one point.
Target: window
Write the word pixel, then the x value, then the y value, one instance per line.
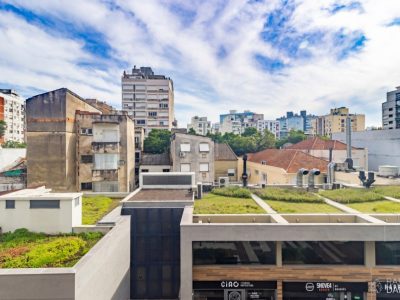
pixel 105 186
pixel 234 253
pixel 86 131
pixel 323 253
pixel 391 109
pixel 86 186
pixel 10 204
pixel 163 105
pixel 86 159
pixel 145 171
pixel 165 170
pixel 185 167
pixel 204 147
pixel 203 167
pixel 152 114
pixel 141 122
pixel 387 253
pixel 185 147
pixel 44 204
pixel 263 162
pixel 231 172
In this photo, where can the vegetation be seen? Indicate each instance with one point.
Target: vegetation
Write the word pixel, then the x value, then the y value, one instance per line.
pixel 13 144
pixel 232 191
pixel 158 141
pixel 390 191
pixel 24 249
pixel 352 195
pixel 294 137
pixel 216 204
pixel 3 127
pixel 297 207
pixel 96 207
pixel 386 206
pixel 288 195
pixel 192 131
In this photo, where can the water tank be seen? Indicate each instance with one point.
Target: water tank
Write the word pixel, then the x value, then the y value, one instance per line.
pixel 388 171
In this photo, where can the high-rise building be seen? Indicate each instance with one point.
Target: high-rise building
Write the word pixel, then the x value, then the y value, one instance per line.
pixel 12 111
pixel 391 110
pixel 200 124
pixel 336 122
pixel 148 98
pixel 235 122
pixel 271 125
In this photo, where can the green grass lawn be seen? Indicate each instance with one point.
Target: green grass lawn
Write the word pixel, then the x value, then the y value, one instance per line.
pixel 24 249
pixel 385 206
pixel 96 207
pixel 347 196
pixel 303 208
pixel 286 194
pixel 232 191
pixel 216 204
pixel 390 191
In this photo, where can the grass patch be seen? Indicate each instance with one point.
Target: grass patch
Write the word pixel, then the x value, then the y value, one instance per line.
pixel 346 196
pixel 96 207
pixel 385 206
pixel 216 204
pixel 25 249
pixel 232 191
pixel 390 191
pixel 289 195
pixel 297 207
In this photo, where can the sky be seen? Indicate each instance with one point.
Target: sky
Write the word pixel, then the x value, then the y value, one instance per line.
pixel 267 56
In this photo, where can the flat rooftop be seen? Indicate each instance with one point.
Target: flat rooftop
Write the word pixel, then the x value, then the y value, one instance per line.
pixel 162 195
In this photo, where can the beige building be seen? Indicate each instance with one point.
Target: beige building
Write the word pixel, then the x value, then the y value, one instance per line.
pixel 320 148
pixel 336 122
pixel 12 111
pixel 73 146
pixel 280 166
pixel 148 98
pixel 200 125
pixel 226 162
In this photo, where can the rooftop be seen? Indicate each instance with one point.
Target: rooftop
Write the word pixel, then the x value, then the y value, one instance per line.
pixel 155 159
pixel 224 152
pixel 317 143
pixel 162 195
pixel 38 193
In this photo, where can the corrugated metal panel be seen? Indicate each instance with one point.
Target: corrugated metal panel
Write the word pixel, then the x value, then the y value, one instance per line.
pixel 106 161
pixel 105 186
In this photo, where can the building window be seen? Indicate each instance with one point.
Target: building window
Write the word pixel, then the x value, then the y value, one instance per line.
pixel 152 114
pixel 86 131
pixel 44 204
pixel 387 253
pixel 165 170
pixel 185 167
pixel 234 253
pixel 141 122
pixel 203 167
pixel 322 253
pixel 10 204
pixel 204 147
pixel 145 170
pixel 163 105
pixel 263 162
pixel 231 172
pixel 86 186
pixel 86 159
pixel 185 147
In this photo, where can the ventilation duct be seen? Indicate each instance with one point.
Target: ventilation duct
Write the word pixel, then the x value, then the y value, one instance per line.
pixel 311 177
pixel 300 174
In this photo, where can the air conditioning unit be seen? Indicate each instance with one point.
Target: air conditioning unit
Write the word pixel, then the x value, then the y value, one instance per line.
pixel 182 154
pixel 223 181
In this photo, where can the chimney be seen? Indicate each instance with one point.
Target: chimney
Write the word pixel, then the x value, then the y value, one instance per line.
pixel 349 160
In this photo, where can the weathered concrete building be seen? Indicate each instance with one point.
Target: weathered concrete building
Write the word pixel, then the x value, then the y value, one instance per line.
pixel 63 131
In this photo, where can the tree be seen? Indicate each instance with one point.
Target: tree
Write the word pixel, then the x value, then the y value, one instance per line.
pixel 13 144
pixel 192 131
pixel 296 136
pixel 250 131
pixel 3 127
pixel 266 141
pixel 158 141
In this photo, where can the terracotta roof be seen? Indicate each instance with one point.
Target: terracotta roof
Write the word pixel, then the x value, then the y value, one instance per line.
pixel 317 143
pixel 162 195
pixel 224 152
pixel 288 159
pixel 155 159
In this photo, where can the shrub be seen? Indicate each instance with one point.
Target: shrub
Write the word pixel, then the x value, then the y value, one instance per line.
pixel 352 195
pixel 289 195
pixel 232 191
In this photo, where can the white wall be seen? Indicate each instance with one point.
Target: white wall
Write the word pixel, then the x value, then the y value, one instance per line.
pixel 9 155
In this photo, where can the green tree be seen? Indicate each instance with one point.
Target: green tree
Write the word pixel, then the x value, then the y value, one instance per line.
pixel 3 127
pixel 296 136
pixel 13 144
pixel 192 131
pixel 250 131
pixel 158 141
pixel 266 140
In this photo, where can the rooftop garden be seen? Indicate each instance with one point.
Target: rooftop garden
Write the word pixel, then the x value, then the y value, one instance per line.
pixel 385 206
pixel 96 207
pixel 25 249
pixel 390 191
pixel 346 196
pixel 229 200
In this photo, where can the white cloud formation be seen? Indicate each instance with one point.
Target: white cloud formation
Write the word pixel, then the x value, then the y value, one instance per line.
pixel 208 49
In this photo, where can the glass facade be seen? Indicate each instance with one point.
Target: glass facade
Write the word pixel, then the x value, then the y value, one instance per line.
pixel 228 253
pixel 323 253
pixel 387 253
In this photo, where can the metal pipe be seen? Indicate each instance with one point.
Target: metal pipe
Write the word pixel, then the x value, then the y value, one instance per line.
pixel 311 177
pixel 349 160
pixel 244 174
pixel 300 173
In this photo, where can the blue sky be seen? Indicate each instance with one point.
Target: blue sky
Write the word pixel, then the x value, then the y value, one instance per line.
pixel 267 56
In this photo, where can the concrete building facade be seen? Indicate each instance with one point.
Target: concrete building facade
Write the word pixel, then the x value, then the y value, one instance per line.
pixel 271 125
pixel 335 122
pixel 391 110
pixel 236 122
pixel 149 99
pixel 200 125
pixel 12 111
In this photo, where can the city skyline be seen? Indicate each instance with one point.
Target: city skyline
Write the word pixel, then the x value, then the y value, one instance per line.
pixel 266 57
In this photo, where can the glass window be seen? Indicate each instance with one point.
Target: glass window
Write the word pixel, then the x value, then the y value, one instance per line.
pixel 86 159
pixel 185 147
pixel 323 253
pixel 86 186
pixel 185 167
pixel 228 253
pixel 231 172
pixel 204 167
pixel 44 203
pixel 387 253
pixel 204 147
pixel 10 204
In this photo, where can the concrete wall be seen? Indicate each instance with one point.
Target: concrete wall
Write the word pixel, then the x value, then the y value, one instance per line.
pixel 222 166
pixel 102 274
pixel 9 155
pixel 383 146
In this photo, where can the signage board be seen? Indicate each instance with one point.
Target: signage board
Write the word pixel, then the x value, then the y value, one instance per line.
pixel 233 284
pixel 325 287
pixel 388 287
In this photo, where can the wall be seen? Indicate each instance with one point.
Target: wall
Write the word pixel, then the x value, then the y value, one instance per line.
pixel 222 166
pixel 383 146
pixel 9 155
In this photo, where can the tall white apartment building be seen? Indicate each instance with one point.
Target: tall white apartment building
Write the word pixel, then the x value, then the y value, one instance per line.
pixel 12 111
pixel 271 125
pixel 149 99
pixel 200 124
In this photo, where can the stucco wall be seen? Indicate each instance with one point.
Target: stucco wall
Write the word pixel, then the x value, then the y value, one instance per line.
pixel 222 166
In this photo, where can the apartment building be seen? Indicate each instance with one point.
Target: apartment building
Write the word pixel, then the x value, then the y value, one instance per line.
pixel 200 125
pixel 148 98
pixel 236 122
pixel 335 122
pixel 271 125
pixel 12 111
pixel 292 121
pixel 391 110
pixel 73 146
pixel 193 153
